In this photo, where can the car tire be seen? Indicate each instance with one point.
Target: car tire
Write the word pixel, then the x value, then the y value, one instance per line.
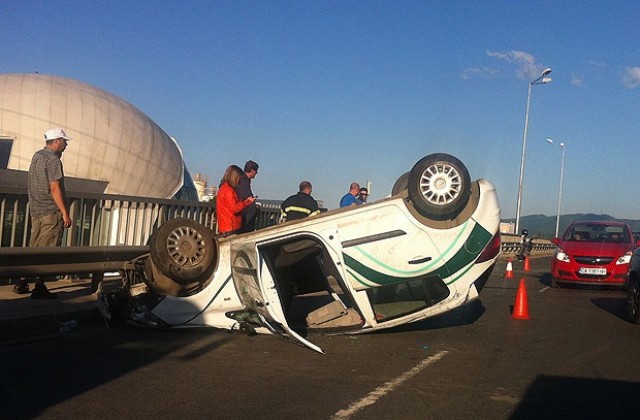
pixel 401 184
pixel 633 301
pixel 184 251
pixel 439 186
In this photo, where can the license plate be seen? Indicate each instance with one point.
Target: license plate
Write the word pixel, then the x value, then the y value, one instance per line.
pixel 593 271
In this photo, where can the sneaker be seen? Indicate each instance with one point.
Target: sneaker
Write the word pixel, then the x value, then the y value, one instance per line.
pixel 40 291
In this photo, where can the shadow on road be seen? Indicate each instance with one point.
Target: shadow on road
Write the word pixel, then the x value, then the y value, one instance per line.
pixel 63 366
pixel 464 315
pixel 616 306
pixel 545 280
pixel 578 398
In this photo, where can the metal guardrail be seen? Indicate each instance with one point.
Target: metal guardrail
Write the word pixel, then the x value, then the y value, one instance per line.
pixel 539 247
pixel 100 219
pixel 106 231
pixel 75 260
pixel 112 220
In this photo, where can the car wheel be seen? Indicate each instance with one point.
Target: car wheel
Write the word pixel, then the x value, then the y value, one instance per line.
pixel 439 186
pixel 633 301
pixel 401 184
pixel 184 251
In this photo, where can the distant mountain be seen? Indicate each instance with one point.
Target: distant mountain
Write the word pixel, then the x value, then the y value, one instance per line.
pixel 545 226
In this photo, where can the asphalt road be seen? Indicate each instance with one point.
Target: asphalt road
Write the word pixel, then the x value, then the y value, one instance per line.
pixel 577 357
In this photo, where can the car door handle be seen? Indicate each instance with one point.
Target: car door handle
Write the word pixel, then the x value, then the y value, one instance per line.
pixel 420 260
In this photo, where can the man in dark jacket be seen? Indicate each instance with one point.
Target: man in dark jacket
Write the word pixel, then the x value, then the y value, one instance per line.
pixel 249 214
pixel 300 205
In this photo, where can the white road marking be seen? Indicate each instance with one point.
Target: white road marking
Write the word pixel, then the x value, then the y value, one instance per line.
pixel 383 390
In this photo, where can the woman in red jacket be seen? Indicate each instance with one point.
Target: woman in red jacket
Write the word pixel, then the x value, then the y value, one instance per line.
pixel 228 206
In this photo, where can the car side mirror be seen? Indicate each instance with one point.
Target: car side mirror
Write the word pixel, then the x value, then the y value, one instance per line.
pixel 556 241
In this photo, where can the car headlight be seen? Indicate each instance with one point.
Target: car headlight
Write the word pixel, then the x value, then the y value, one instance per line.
pixel 625 259
pixel 561 255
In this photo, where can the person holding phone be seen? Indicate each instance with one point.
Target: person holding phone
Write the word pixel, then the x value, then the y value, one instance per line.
pixel 229 206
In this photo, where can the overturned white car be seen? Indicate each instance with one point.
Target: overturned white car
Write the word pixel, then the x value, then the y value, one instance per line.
pixel 427 249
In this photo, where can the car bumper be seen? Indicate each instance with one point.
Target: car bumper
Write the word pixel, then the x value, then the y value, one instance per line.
pixel 568 274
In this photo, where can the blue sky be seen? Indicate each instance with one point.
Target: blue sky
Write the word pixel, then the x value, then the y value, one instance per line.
pixel 341 91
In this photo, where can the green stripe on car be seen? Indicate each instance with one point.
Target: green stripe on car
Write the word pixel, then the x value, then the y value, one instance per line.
pixel 472 247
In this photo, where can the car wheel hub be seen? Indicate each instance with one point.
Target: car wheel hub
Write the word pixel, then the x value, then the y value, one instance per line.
pixel 440 184
pixel 186 246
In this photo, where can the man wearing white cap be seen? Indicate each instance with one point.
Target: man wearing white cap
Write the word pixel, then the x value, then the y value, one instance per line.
pixel 48 199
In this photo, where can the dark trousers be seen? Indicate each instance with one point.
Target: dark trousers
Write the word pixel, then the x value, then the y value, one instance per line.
pixel 249 216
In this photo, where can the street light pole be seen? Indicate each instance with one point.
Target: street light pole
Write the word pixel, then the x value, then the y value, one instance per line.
pixel 543 79
pixel 563 146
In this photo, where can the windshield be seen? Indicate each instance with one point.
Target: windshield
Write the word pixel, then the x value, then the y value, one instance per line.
pixel 597 233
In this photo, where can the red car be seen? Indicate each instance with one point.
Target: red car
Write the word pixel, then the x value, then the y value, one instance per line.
pixel 596 252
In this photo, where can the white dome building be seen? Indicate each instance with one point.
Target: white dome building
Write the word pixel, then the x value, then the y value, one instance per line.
pixel 115 148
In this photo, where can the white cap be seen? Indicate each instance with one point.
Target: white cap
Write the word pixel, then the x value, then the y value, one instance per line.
pixel 55 133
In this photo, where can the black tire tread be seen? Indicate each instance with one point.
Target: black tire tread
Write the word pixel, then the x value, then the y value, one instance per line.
pixel 164 263
pixel 427 209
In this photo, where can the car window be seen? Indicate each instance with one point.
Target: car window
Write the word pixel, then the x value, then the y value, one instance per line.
pixel 578 236
pixel 393 301
pixel 618 237
pixel 597 233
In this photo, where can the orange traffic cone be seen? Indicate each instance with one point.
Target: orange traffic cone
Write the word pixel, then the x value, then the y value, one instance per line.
pixel 526 263
pixel 521 306
pixel 509 273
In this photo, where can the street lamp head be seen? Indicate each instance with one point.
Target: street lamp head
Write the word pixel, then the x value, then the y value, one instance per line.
pixel 546 80
pixel 546 71
pixel 550 141
pixel 561 144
